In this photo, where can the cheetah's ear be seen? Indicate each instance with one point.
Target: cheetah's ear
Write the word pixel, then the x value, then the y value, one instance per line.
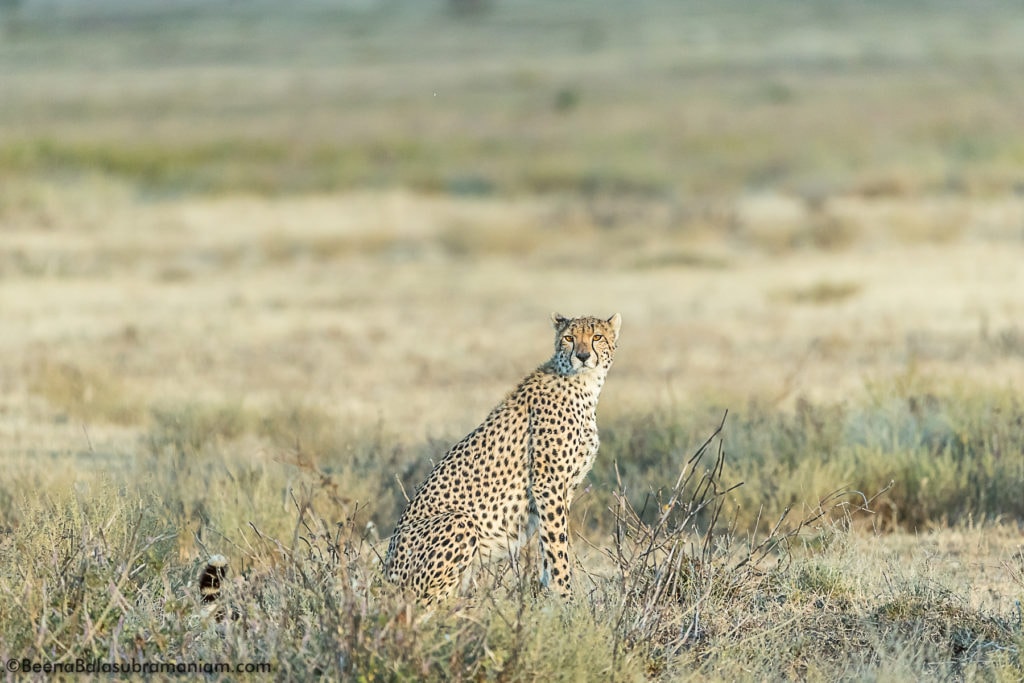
pixel 559 320
pixel 616 322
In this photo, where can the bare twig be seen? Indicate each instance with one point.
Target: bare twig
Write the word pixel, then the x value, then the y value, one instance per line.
pixel 671 567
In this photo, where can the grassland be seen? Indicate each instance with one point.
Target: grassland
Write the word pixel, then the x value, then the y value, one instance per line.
pixel 258 267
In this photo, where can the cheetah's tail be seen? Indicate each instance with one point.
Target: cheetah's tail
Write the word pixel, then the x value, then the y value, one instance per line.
pixel 210 579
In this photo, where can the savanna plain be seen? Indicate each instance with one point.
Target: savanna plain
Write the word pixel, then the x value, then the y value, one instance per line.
pixel 260 265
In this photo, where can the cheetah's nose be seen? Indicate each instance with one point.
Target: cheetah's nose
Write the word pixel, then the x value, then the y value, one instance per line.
pixel 583 355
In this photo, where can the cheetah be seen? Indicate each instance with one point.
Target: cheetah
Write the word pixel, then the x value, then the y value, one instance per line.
pixel 512 475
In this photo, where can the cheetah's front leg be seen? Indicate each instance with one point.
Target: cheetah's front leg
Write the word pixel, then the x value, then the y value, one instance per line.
pixel 552 505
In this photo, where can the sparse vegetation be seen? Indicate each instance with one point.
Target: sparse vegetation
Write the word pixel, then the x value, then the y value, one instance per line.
pixel 687 586
pixel 821 293
pixel 84 394
pixel 254 283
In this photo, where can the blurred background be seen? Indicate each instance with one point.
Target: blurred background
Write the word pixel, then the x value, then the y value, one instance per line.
pixel 650 100
pixel 370 207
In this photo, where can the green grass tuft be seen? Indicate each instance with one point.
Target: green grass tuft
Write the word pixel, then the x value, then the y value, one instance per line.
pixel 86 393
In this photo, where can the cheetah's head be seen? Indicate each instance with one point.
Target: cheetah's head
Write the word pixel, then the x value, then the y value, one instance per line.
pixel 584 344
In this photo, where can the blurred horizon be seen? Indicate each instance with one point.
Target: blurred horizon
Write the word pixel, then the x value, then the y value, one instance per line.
pixel 655 99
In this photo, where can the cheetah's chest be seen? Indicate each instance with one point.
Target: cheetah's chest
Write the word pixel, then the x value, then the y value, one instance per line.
pixel 585 454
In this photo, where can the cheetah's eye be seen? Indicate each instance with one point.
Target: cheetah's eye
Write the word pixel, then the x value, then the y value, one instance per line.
pixel 598 337
pixel 567 338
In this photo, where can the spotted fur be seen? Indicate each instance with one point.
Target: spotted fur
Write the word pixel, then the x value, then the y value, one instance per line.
pixel 512 475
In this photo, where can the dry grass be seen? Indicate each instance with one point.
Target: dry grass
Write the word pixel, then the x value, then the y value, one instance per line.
pixel 821 293
pixel 106 569
pixel 84 395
